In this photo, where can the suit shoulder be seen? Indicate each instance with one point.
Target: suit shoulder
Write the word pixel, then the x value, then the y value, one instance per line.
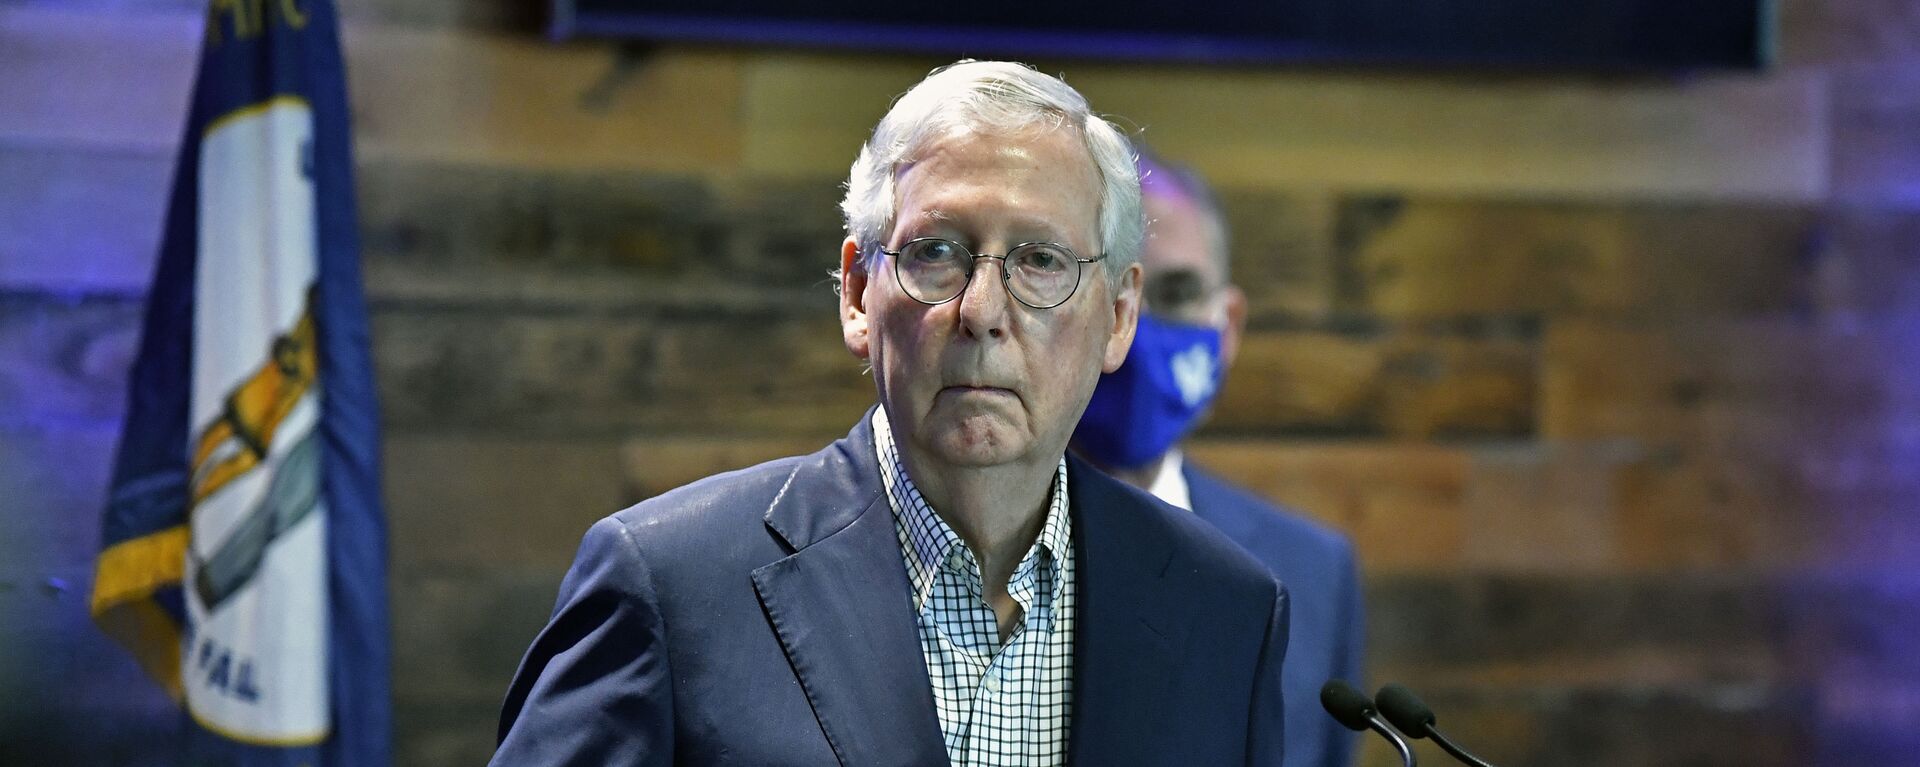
pixel 1248 518
pixel 1208 546
pixel 1195 543
pixel 713 508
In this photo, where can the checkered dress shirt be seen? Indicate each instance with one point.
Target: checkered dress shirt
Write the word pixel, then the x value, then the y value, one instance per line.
pixel 998 704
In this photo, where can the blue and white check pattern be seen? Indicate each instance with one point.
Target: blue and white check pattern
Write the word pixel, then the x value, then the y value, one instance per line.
pixel 999 705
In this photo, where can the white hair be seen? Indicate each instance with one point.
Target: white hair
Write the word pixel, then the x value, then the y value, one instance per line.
pixel 1002 97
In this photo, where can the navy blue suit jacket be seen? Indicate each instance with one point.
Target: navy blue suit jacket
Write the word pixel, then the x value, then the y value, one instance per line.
pixel 1328 631
pixel 761 617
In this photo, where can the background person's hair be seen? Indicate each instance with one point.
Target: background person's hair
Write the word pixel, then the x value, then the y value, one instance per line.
pixel 1160 176
pixel 1002 97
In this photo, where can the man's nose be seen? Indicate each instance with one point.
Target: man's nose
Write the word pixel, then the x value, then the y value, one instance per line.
pixel 983 304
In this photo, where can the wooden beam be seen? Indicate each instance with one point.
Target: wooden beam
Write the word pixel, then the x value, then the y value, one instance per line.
pixel 1725 137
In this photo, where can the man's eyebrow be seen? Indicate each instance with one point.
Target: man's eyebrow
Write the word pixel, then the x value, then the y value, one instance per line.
pixel 1049 230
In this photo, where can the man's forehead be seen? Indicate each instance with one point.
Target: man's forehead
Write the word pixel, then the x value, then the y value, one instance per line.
pixel 1020 218
pixel 1056 147
pixel 946 182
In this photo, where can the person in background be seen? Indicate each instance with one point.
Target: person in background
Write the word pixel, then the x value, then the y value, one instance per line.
pixel 1190 326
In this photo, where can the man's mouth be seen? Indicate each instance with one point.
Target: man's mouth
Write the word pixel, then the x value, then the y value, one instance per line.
pixel 977 389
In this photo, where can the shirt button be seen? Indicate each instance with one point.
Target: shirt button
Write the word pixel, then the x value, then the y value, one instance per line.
pixel 992 682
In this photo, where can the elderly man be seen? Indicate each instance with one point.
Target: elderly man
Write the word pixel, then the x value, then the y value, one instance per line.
pixel 943 585
pixel 1190 325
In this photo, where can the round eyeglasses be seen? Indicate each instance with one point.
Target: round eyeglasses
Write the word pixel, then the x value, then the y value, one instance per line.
pixel 934 271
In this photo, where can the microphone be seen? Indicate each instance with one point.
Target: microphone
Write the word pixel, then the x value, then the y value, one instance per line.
pixel 1351 707
pixel 1407 712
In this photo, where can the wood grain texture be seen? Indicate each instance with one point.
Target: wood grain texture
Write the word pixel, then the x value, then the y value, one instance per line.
pixel 1866 267
pixel 1401 503
pixel 64 359
pixel 80 220
pixel 1282 248
pixel 59 69
pixel 1425 258
pixel 1828 33
pixel 446 231
pixel 517 101
pixel 1710 138
pixel 1390 381
pixel 1876 131
pixel 453 499
pixel 1770 442
pixel 419 92
pixel 599 374
pixel 654 465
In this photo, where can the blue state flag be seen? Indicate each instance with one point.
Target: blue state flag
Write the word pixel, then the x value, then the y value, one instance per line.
pixel 244 549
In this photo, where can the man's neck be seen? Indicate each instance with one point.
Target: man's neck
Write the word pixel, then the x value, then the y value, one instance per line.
pixel 997 510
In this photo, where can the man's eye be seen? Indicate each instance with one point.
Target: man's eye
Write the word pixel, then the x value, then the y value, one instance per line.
pixel 934 252
pixel 1043 259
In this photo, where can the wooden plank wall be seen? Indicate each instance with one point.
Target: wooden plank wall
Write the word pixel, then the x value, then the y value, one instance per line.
pixel 1609 379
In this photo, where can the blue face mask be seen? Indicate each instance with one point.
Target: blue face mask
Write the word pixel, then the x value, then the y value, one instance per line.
pixel 1139 411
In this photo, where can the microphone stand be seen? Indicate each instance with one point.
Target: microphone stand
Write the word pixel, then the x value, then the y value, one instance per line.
pixel 1407 712
pixel 1399 744
pixel 1459 753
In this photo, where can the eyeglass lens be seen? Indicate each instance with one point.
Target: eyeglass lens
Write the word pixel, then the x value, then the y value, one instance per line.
pixel 1041 275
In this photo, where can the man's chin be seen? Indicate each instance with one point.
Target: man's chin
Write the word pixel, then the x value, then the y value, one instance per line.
pixel 978 441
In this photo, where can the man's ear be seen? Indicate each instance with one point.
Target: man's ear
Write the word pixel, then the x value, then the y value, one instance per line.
pixel 1126 317
pixel 853 299
pixel 1235 327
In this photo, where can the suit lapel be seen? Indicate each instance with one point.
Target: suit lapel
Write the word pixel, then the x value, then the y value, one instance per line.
pixel 839 605
pixel 1130 628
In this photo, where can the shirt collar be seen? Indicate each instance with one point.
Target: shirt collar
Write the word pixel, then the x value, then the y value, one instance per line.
pixel 1170 481
pixel 927 541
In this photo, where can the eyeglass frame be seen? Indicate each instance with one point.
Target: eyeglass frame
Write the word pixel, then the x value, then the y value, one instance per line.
pixel 1006 274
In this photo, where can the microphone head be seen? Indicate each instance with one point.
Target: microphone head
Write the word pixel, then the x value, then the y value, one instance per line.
pixel 1348 706
pixel 1405 710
